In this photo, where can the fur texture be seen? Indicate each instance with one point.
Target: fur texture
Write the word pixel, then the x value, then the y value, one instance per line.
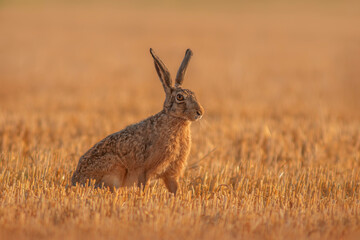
pixel 155 147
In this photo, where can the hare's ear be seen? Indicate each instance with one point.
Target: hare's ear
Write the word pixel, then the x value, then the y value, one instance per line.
pixel 181 72
pixel 162 72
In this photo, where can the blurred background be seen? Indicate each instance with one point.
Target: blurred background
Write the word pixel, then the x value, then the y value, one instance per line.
pixel 73 71
pixel 276 155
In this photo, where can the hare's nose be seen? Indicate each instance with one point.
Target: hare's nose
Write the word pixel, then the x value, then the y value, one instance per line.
pixel 199 112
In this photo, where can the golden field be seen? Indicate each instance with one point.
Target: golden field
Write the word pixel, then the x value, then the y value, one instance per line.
pixel 276 156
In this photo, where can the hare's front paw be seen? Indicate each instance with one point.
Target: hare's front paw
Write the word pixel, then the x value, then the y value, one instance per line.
pixel 171 184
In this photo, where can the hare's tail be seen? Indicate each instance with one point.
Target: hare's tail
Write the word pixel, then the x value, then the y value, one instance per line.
pixel 75 178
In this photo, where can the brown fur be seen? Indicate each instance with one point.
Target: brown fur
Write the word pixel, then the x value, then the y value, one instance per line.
pixel 155 147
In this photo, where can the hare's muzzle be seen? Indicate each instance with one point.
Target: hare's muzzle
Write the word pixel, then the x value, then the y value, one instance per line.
pixel 199 113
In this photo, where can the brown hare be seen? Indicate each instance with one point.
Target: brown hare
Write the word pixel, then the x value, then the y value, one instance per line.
pixel 155 147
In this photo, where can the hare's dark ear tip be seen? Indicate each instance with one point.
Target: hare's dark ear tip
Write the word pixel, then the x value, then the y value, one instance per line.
pixel 152 53
pixel 188 51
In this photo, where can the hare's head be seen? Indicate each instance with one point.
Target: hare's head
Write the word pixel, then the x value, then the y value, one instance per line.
pixel 179 102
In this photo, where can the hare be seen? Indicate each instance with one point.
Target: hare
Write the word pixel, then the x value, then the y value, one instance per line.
pixel 155 147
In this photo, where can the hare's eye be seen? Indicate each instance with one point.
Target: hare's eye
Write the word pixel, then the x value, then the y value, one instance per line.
pixel 180 97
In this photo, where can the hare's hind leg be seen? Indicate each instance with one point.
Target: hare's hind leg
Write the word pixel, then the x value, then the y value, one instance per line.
pixel 113 179
pixel 135 177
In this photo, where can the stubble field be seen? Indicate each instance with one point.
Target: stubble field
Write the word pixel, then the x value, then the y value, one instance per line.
pixel 276 156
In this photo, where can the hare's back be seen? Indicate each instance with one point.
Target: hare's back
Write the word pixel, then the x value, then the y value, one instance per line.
pixel 126 144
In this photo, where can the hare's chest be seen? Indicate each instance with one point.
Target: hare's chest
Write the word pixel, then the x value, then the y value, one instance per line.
pixel 180 144
pixel 167 150
pixel 173 147
pixel 184 145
